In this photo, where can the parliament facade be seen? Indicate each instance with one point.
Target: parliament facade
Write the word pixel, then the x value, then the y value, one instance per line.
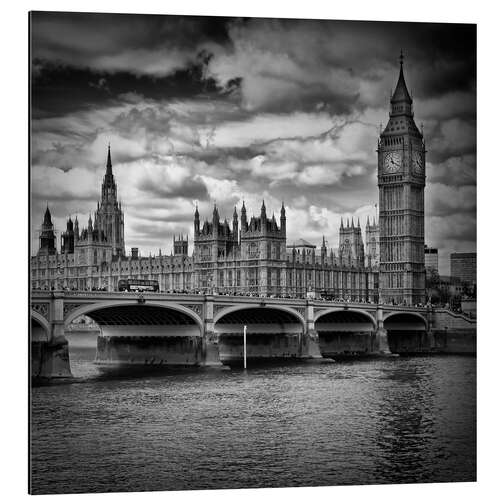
pixel 253 255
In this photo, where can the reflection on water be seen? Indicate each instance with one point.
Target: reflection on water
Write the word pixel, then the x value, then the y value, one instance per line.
pixel 375 421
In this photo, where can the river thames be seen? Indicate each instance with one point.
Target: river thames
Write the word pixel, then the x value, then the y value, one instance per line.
pixel 385 420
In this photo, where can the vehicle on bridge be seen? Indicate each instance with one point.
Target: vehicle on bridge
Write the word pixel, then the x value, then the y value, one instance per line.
pixel 135 285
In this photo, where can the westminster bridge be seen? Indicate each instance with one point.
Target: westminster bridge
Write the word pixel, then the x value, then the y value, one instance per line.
pixel 207 330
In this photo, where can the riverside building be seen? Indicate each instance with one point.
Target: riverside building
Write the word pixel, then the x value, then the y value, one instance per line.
pixel 248 256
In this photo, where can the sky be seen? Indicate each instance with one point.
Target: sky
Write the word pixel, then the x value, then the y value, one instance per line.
pixel 204 110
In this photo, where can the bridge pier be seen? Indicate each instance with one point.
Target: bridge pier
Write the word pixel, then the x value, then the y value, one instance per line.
pixel 50 359
pixel 210 349
pixel 310 345
pixel 381 341
pixel 431 340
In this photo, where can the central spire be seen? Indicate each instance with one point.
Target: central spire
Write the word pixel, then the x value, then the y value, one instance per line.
pixel 109 166
pixel 108 184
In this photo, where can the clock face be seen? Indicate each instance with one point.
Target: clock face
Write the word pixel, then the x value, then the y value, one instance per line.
pixel 417 162
pixel 392 162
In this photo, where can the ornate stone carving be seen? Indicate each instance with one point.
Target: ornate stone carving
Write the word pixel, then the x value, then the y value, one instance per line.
pixel 195 308
pixel 69 306
pixel 218 308
pixel 301 311
pixel 42 309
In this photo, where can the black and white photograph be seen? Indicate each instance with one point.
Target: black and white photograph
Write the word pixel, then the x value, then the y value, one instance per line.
pixel 252 252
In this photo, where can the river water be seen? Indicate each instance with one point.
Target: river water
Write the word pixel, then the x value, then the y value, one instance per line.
pixel 388 420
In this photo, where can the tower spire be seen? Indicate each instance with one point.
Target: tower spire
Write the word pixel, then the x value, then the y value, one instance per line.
pixel 47 218
pixel 401 94
pixel 109 166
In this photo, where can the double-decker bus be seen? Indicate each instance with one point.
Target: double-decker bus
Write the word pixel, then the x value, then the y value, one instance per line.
pixel 133 285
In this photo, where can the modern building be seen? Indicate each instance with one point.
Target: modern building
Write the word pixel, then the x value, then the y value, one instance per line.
pixel 401 182
pixel 431 259
pixel 463 267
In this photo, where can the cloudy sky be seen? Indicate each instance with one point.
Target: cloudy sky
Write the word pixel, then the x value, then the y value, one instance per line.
pixel 204 110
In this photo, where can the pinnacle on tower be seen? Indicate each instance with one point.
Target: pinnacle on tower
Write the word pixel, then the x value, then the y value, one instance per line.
pixel 109 181
pixel 401 93
pixel 341 223
pixel 109 166
pixel 47 218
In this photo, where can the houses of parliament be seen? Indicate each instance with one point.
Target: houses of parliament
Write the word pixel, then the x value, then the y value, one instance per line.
pixel 252 255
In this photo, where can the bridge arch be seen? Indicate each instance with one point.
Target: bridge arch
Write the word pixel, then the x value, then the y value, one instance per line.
pixel 111 307
pixel 332 310
pixel 345 332
pixel 408 316
pixel 274 332
pixel 40 328
pixel 250 307
pixel 406 332
pixel 135 333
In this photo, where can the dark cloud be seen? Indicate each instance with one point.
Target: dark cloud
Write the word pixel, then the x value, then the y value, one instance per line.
pixel 454 171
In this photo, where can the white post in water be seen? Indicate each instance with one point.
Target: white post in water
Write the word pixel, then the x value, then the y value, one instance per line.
pixel 245 347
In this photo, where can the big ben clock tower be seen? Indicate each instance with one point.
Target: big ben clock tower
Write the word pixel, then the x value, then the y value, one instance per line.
pixel 401 182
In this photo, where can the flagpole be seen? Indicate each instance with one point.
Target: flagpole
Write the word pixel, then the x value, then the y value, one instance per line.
pixel 245 347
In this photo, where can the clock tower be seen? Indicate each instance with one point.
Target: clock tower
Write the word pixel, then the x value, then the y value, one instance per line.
pixel 401 182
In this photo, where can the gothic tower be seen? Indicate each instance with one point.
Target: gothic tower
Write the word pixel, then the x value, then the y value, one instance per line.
pixel 47 235
pixel 372 242
pixel 351 248
pixel 109 216
pixel 401 182
pixel 68 238
pixel 181 245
